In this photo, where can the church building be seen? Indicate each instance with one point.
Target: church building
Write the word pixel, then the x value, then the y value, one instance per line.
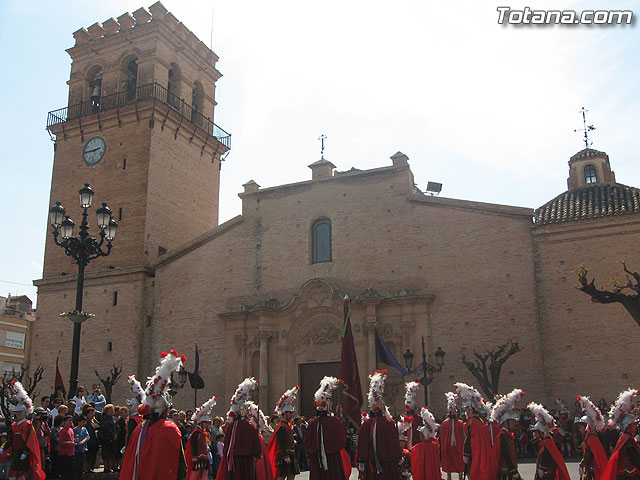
pixel 262 294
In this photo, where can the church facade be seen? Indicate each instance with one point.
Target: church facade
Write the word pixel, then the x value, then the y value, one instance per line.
pixel 261 294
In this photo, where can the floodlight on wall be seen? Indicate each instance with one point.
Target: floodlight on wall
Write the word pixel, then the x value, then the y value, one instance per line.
pixel 434 188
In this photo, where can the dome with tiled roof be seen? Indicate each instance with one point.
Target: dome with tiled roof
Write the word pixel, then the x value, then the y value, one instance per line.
pixel 591 201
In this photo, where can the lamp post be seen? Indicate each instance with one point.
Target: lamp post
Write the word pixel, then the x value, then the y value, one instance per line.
pixel 182 379
pixel 82 249
pixel 427 369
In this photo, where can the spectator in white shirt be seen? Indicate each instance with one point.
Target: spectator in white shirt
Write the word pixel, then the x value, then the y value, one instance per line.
pixel 79 399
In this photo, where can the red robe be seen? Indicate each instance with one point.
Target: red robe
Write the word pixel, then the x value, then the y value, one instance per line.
pixel 381 452
pixel 611 471
pixel 599 456
pixel 334 440
pixel 24 439
pixel 425 461
pixel 241 448
pixel 552 448
pixel 189 454
pixel 156 448
pixel 481 466
pixel 452 439
pixel 494 431
pixel 263 465
pixel 413 435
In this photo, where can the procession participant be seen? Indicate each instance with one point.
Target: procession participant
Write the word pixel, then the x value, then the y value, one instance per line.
pixel 550 464
pixel 281 448
pixel 404 430
pixel 452 439
pixel 624 463
pixel 410 406
pixel 477 444
pixel 326 438
pixel 155 446
pixel 263 465
pixel 197 449
pixel 378 446
pixel 565 429
pixel 594 459
pixel 505 415
pixel 425 455
pixel 25 450
pixel 135 418
pixel 241 441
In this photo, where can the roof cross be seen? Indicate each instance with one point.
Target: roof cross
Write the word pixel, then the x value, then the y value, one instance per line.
pixel 586 128
pixel 322 138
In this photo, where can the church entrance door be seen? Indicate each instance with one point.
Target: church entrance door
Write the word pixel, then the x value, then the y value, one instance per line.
pixel 310 376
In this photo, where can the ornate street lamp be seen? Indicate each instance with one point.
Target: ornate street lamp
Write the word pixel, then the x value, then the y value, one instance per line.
pixel 82 249
pixel 426 368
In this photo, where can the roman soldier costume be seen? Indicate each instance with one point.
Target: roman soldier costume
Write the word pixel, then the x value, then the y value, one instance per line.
pixel 197 449
pixel 281 448
pixel 565 430
pixel 550 464
pixel 425 455
pixel 411 406
pixel 452 439
pixel 378 447
pixel 624 463
pixel 594 459
pixel 25 451
pixel 404 430
pixel 476 449
pixel 326 438
pixel 241 440
pixel 505 445
pixel 155 446
pixel 135 418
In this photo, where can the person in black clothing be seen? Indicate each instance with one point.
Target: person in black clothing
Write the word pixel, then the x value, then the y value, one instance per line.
pixel 93 445
pixel 299 430
pixel 108 436
pixel 121 433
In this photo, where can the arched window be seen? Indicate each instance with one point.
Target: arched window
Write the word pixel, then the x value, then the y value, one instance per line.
pixel 321 241
pixel 173 86
pixel 132 78
pixel 590 174
pixel 94 85
pixel 197 103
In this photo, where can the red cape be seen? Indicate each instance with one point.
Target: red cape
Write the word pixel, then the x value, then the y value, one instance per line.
pixel 611 470
pixel 243 441
pixel 561 471
pixel 263 465
pixel 188 453
pixel 273 449
pixel 160 452
pixel 599 456
pixel 388 448
pixel 481 466
pixel 26 429
pixel 334 435
pixel 452 460
pixel 425 460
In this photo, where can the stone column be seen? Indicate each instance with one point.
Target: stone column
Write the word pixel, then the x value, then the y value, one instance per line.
pixel 263 387
pixel 370 324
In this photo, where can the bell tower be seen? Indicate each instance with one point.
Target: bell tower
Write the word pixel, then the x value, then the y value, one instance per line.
pixel 139 128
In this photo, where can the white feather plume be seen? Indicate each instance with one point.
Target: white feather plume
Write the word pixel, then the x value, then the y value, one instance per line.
pixel 469 396
pixel 136 388
pixel 623 405
pixel 375 396
pixel 505 404
pixel 410 392
pixel 542 415
pixel 22 396
pixel 241 395
pixel 204 409
pixel 287 397
pixel 596 420
pixel 451 401
pixel 430 424
pixel 156 392
pixel 327 386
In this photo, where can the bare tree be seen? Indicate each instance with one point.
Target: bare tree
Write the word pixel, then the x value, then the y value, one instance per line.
pixel 30 384
pixel 486 368
pixel 627 293
pixel 110 381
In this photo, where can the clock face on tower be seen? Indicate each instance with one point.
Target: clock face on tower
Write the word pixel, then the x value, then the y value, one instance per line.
pixel 94 150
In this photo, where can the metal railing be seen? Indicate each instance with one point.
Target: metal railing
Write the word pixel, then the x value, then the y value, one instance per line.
pixel 151 91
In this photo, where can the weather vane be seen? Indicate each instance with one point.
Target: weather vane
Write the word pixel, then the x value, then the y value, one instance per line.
pixel 586 128
pixel 322 138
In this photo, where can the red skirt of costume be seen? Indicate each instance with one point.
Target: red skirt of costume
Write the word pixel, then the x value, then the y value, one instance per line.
pixel 334 440
pixel 381 460
pixel 452 460
pixel 24 438
pixel 157 449
pixel 425 461
pixel 241 448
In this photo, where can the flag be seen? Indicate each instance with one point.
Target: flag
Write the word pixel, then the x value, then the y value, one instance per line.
pixel 195 379
pixel 384 355
pixel 349 373
pixel 59 381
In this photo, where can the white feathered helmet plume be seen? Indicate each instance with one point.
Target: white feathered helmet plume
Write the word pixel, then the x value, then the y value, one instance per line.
pixel 285 404
pixel 544 420
pixel 202 413
pixel 24 403
pixel 157 398
pixel 505 407
pixel 376 390
pixel 240 396
pixel 404 424
pixel 469 397
pixel 410 392
pixel 263 423
pixel 452 407
pixel 430 427
pixel 620 414
pixel 594 415
pixel 136 390
pixel 561 406
pixel 323 394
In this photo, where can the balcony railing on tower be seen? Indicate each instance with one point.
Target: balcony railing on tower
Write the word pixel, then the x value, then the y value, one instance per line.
pixel 151 91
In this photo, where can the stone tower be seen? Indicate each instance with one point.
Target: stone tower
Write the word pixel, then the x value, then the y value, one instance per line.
pixel 139 128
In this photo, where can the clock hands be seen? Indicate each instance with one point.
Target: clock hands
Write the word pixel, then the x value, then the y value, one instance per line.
pixel 94 150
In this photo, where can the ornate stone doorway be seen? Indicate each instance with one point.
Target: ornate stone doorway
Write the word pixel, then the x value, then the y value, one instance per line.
pixel 310 376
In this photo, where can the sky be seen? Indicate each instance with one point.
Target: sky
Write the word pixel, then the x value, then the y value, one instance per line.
pixel 487 110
